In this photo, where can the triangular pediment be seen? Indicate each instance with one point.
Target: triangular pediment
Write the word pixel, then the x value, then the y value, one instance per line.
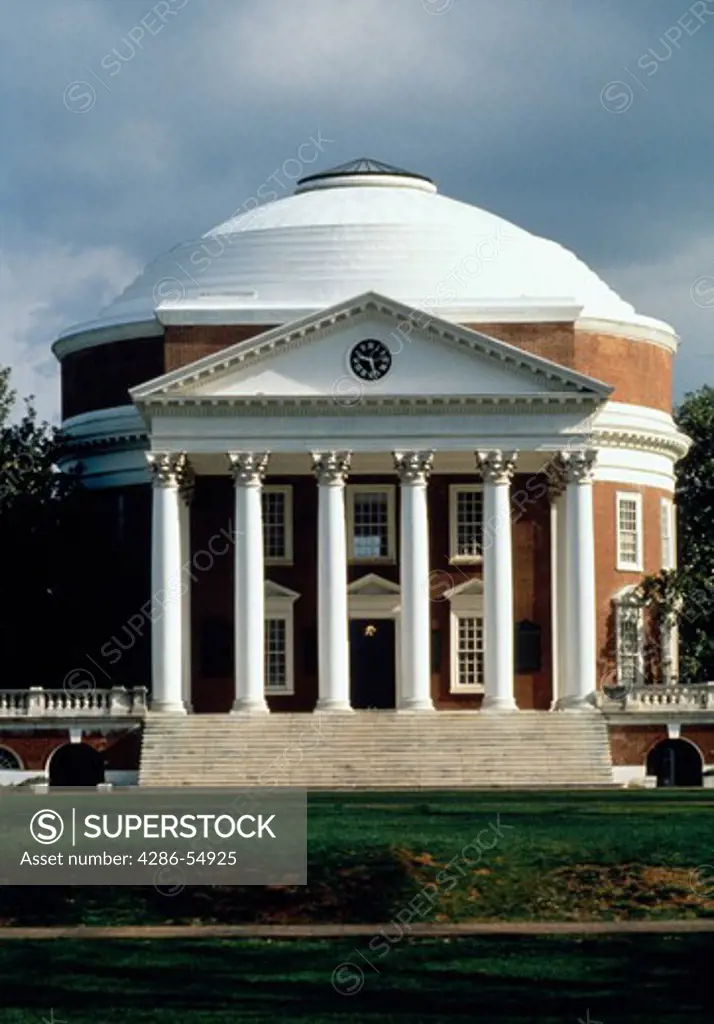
pixel 323 355
pixel 276 590
pixel 373 585
pixel 471 587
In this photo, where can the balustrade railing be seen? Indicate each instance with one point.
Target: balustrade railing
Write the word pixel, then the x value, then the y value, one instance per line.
pixel 659 697
pixel 37 702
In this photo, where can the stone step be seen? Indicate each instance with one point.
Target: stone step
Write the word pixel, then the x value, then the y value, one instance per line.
pixel 377 750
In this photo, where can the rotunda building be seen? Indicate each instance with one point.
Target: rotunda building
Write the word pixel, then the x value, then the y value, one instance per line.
pixel 369 448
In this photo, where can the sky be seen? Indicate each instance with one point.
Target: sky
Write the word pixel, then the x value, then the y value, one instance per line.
pixel 133 125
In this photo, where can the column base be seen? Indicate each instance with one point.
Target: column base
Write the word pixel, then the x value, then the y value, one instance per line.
pixel 416 705
pixel 168 707
pixel 249 707
pixel 491 704
pixel 327 704
pixel 578 703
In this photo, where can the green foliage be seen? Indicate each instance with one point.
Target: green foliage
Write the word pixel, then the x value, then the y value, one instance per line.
pixel 690 588
pixel 35 500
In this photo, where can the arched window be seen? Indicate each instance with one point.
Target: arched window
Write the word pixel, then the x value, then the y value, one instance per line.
pixel 9 761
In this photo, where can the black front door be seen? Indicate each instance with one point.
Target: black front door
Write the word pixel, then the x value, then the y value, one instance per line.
pixel 372 663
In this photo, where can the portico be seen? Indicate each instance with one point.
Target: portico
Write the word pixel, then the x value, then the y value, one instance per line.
pixel 271 413
pixel 172 560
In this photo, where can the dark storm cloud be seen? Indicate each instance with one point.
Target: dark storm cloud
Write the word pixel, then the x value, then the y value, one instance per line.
pixel 132 125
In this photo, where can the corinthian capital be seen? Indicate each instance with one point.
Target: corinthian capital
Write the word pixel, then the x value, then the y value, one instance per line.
pixel 169 469
pixel 495 466
pixel 576 466
pixel 413 467
pixel 331 467
pixel 248 467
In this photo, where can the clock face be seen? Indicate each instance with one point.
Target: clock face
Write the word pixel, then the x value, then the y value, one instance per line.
pixel 370 360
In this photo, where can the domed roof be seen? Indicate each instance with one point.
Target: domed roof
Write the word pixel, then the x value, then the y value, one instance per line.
pixel 367 226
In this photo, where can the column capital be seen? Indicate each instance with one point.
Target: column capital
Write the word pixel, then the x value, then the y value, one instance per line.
pixel 331 467
pixel 248 468
pixel 170 469
pixel 556 479
pixel 187 484
pixel 577 466
pixel 496 466
pixel 413 467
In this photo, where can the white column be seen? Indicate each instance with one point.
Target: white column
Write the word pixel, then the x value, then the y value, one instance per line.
pixel 248 470
pixel 581 681
pixel 186 494
pixel 559 603
pixel 166 583
pixel 330 469
pixel 497 469
pixel 415 620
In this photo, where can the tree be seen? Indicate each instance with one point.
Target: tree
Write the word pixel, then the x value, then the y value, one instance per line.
pixel 690 588
pixel 36 500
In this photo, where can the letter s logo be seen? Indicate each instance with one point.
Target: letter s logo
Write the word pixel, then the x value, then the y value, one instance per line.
pixel 46 827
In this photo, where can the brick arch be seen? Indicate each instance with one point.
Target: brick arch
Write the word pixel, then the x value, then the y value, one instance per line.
pixel 664 739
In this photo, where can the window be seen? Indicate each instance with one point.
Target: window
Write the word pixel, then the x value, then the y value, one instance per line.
pixel 277 525
pixel 276 656
pixel 467 637
pixel 669 557
pixel 9 761
pixel 279 646
pixel 629 623
pixel 629 532
pixel 370 523
pixel 466 522
pixel 469 653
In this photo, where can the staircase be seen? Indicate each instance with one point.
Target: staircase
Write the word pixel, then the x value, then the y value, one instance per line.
pixel 378 750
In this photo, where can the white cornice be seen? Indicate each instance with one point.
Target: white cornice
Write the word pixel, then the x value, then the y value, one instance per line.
pixel 389 405
pixel 90 335
pixel 675 445
pixel 656 333
pixel 225 310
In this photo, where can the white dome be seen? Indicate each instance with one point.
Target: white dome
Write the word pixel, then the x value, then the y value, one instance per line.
pixel 369 227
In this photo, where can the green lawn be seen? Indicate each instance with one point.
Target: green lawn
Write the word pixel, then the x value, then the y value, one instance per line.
pixel 639 980
pixel 552 856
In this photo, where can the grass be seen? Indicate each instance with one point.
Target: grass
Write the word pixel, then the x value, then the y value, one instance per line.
pixel 609 855
pixel 652 979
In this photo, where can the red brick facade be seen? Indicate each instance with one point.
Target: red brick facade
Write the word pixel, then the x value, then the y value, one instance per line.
pixel 630 744
pixel 35 747
pixel 101 377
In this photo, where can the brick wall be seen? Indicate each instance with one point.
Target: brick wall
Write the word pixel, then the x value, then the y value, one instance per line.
pixel 34 747
pixel 630 744
pixel 212 593
pixel 640 372
pixel 100 377
pixel 608 579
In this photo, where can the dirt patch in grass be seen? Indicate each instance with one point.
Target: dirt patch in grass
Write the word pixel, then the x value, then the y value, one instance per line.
pixel 618 892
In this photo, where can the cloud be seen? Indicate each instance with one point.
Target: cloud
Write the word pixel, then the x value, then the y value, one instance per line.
pixel 500 103
pixel 44 289
pixel 678 287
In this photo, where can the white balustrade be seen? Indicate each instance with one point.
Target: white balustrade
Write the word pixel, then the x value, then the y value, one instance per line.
pixel 661 697
pixel 36 702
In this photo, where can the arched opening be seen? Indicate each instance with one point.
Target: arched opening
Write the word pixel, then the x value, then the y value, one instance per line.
pixel 675 763
pixel 76 764
pixel 9 761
